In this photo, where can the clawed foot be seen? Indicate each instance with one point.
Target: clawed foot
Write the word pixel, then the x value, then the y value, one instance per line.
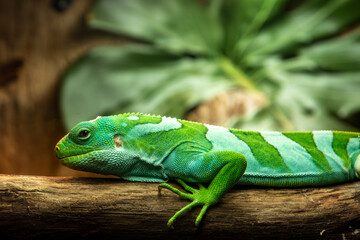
pixel 201 196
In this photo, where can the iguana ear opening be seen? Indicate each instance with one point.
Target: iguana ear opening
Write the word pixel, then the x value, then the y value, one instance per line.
pixel 117 141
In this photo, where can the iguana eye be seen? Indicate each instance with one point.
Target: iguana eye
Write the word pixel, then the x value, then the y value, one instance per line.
pixel 84 134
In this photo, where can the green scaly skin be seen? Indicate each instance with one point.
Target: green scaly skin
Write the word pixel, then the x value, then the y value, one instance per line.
pixel 147 148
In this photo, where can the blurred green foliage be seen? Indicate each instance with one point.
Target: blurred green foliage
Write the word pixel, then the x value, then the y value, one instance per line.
pixel 305 59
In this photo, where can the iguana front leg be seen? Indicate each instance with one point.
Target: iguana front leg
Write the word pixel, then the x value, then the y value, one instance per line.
pixel 232 167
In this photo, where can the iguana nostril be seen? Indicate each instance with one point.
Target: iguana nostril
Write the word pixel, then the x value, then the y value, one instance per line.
pixel 57 148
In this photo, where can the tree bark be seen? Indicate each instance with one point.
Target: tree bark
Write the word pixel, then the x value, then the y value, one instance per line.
pixel 58 207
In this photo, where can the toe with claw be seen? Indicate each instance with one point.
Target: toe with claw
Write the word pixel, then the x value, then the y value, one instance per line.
pixel 201 196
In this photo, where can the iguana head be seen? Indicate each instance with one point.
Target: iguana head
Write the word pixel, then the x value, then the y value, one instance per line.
pixel 95 146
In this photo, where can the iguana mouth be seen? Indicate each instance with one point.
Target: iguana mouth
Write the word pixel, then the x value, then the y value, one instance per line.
pixel 62 152
pixel 73 158
pixel 80 156
pixel 61 157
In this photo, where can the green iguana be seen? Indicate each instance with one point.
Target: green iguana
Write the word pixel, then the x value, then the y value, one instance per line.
pixel 147 148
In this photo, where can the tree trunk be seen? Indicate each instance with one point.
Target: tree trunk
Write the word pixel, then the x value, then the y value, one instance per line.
pixel 59 207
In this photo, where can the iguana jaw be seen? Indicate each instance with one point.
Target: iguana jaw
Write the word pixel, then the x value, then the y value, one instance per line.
pixel 93 161
pixel 104 161
pixel 75 155
pixel 67 151
pixel 75 158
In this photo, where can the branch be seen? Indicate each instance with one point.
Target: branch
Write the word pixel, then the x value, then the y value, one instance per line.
pixel 59 207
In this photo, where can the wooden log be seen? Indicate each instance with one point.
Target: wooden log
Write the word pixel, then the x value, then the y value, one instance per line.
pixel 58 207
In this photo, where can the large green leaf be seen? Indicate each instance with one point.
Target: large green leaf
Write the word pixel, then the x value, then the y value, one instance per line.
pixel 135 78
pixel 312 20
pixel 291 116
pixel 336 92
pixel 242 19
pixel 306 102
pixel 177 26
pixel 299 58
pixel 339 54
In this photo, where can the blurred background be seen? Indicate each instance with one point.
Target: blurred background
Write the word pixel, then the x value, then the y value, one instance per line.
pixel 251 64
